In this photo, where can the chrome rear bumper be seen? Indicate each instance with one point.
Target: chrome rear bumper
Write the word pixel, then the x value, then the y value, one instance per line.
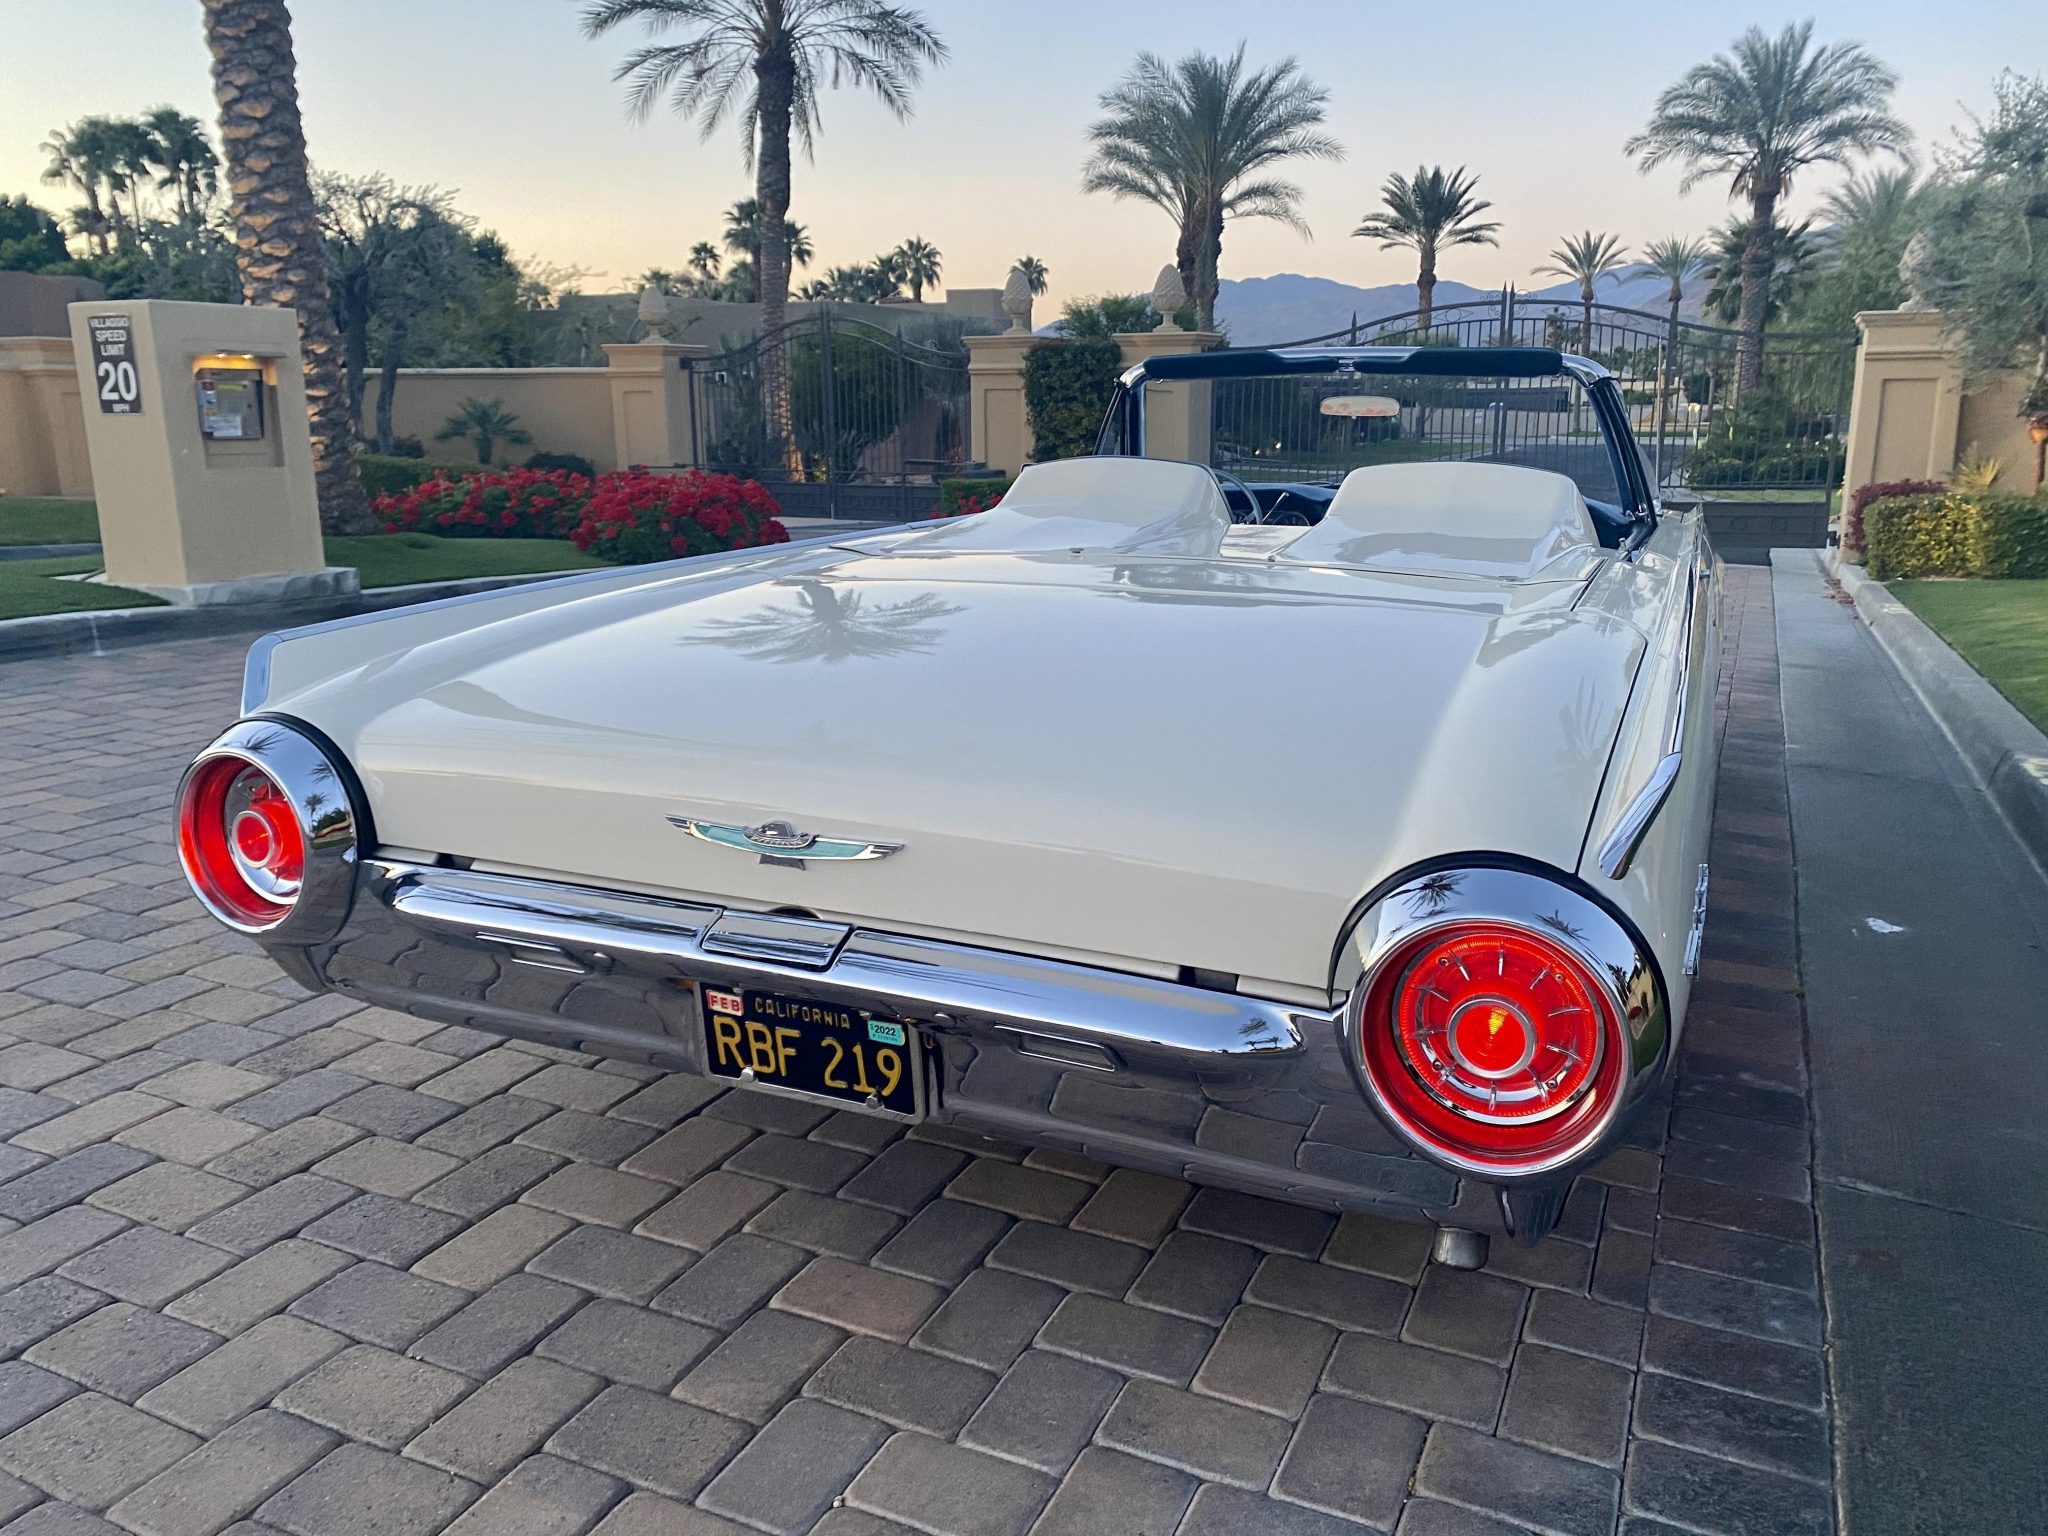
pixel 1196 1083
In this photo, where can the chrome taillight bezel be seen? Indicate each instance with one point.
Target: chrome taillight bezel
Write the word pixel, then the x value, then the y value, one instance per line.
pixel 1448 896
pixel 323 799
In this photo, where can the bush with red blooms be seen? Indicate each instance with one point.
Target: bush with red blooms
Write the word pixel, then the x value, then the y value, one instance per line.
pixel 966 504
pixel 495 504
pixel 1879 490
pixel 634 516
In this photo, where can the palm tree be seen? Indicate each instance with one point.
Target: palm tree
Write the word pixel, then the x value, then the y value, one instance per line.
pixel 1585 259
pixel 179 148
pixel 705 261
pixel 485 423
pixel 1794 253
pixel 277 229
pixel 1878 202
pixel 1430 213
pixel 84 156
pixel 1198 139
pixel 917 263
pixel 1034 274
pixel 1678 259
pixel 766 60
pixel 743 238
pixel 1759 115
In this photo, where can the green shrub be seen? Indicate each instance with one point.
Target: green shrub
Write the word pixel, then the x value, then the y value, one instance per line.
pixel 1764 439
pixel 385 474
pixel 984 489
pixel 1957 533
pixel 1878 490
pixel 2013 534
pixel 1067 387
pixel 1918 536
pixel 575 463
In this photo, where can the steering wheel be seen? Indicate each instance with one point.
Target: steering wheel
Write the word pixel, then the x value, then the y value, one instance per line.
pixel 1275 514
pixel 1224 480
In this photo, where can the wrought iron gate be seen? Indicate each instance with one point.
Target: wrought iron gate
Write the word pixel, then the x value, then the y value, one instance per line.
pixel 875 420
pixel 1678 378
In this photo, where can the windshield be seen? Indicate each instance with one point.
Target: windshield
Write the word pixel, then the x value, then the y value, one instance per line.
pixel 1316 428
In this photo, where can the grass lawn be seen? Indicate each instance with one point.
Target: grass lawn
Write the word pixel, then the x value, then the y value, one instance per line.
pixel 1998 627
pixel 48 520
pixel 30 587
pixel 398 559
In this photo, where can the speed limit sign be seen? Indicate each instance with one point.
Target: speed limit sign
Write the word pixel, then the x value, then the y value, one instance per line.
pixel 114 378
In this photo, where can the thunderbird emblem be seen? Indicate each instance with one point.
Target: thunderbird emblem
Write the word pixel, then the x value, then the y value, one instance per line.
pixel 777 842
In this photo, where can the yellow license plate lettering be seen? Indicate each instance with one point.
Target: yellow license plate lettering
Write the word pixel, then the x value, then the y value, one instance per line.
pixel 889 1063
pixel 761 1048
pixel 785 1047
pixel 832 1078
pixel 725 1038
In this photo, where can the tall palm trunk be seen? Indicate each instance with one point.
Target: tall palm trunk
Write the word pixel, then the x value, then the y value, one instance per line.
pixel 1586 319
pixel 1425 288
pixel 775 73
pixel 277 234
pixel 1184 249
pixel 1757 258
pixel 1207 280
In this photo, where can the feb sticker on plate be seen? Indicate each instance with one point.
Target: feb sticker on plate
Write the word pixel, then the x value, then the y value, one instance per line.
pixel 723 1002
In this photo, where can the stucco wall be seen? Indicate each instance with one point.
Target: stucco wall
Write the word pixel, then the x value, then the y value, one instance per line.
pixel 31 305
pixel 568 410
pixel 42 422
pixel 1913 415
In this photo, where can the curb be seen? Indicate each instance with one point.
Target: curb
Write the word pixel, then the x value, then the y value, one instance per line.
pixel 2005 750
pixel 70 634
pixel 46 551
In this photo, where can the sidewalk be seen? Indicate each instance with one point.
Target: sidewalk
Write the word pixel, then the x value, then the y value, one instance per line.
pixel 1923 933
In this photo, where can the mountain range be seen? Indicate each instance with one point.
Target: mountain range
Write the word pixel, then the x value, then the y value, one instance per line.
pixel 1262 311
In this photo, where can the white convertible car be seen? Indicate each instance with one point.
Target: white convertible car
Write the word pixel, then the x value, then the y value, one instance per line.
pixel 1320 810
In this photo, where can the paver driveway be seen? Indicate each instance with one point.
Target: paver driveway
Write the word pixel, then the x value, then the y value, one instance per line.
pixel 332 1269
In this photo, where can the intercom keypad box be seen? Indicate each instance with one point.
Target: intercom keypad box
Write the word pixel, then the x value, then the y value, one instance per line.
pixel 230 403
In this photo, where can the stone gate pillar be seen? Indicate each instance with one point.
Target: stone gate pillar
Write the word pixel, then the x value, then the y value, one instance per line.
pixel 999 428
pixel 1177 416
pixel 657 403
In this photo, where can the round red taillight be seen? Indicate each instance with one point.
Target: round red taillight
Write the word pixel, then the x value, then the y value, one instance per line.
pixel 1492 1046
pixel 240 841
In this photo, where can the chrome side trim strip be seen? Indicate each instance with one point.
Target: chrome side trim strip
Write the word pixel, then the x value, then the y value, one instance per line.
pixel 934 983
pixel 1697 936
pixel 1618 851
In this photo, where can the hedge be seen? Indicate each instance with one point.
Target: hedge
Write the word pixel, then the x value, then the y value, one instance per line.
pixel 1957 533
pixel 1067 388
pixel 391 474
pixel 1879 490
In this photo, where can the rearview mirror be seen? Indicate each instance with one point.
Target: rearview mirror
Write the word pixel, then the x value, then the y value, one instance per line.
pixel 1361 407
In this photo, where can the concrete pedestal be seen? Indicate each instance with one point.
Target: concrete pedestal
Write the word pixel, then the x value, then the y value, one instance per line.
pixel 202 461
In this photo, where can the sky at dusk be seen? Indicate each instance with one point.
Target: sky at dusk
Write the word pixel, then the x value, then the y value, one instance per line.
pixel 509 105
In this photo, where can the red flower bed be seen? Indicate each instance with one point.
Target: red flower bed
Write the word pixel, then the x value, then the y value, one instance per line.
pixel 497 504
pixel 627 516
pixel 635 516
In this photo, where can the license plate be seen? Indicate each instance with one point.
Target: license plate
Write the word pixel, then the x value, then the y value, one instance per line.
pixel 798 1045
